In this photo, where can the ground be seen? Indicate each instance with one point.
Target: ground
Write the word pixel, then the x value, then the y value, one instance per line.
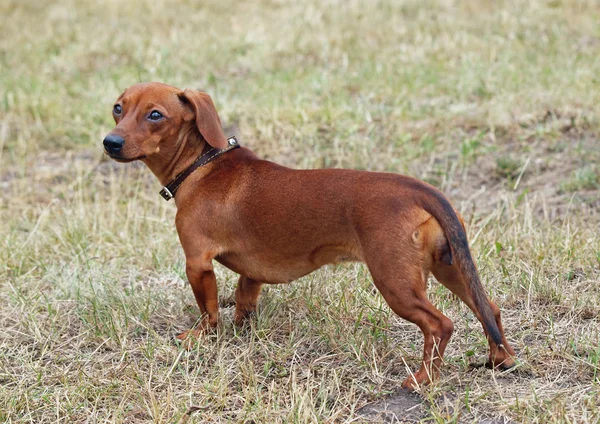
pixel 495 103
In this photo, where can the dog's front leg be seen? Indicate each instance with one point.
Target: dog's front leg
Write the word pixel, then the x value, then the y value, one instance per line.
pixel 204 285
pixel 246 296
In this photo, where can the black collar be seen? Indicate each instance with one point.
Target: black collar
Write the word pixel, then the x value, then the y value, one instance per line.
pixel 168 191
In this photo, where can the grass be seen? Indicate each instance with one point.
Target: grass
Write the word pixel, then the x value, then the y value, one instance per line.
pixel 496 103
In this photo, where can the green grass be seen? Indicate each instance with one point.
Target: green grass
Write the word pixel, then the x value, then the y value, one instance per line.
pixel 496 103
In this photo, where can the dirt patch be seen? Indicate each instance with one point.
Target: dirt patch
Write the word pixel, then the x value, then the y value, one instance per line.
pixel 402 406
pixel 407 407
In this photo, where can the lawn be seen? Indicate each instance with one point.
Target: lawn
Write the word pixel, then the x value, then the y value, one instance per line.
pixel 495 103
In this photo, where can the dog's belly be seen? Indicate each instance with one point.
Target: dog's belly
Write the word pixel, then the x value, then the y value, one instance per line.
pixel 276 268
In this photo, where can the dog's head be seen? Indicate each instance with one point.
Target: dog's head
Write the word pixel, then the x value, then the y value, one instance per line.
pixel 152 117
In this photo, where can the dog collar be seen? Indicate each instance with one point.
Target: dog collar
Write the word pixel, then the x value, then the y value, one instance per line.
pixel 168 191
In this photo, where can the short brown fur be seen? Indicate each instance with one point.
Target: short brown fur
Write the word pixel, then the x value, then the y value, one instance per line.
pixel 272 224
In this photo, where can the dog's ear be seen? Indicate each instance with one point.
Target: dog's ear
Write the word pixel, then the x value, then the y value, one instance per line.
pixel 207 119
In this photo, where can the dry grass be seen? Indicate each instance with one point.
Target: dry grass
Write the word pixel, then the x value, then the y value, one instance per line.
pixel 495 103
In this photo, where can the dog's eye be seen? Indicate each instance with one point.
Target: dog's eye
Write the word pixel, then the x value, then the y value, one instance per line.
pixel 155 115
pixel 117 110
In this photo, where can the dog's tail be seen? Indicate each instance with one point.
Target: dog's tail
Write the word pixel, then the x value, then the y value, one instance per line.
pixel 434 202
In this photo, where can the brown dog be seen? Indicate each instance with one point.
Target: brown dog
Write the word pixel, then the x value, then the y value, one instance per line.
pixel 272 224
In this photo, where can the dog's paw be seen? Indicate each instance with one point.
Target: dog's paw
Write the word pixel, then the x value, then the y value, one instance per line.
pixel 503 364
pixel 415 381
pixel 242 317
pixel 189 338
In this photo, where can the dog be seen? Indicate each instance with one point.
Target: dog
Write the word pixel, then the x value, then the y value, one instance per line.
pixel 272 224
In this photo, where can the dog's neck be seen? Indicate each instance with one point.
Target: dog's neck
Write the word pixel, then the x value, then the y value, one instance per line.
pixel 187 149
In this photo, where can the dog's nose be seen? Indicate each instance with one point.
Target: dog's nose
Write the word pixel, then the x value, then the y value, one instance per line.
pixel 113 143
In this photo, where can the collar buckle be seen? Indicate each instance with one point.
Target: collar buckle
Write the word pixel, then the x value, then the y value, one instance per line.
pixel 166 194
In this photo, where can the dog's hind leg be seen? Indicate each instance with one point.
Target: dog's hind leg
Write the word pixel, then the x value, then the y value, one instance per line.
pixel 400 277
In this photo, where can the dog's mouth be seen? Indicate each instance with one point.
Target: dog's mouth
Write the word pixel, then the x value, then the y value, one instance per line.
pixel 122 159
